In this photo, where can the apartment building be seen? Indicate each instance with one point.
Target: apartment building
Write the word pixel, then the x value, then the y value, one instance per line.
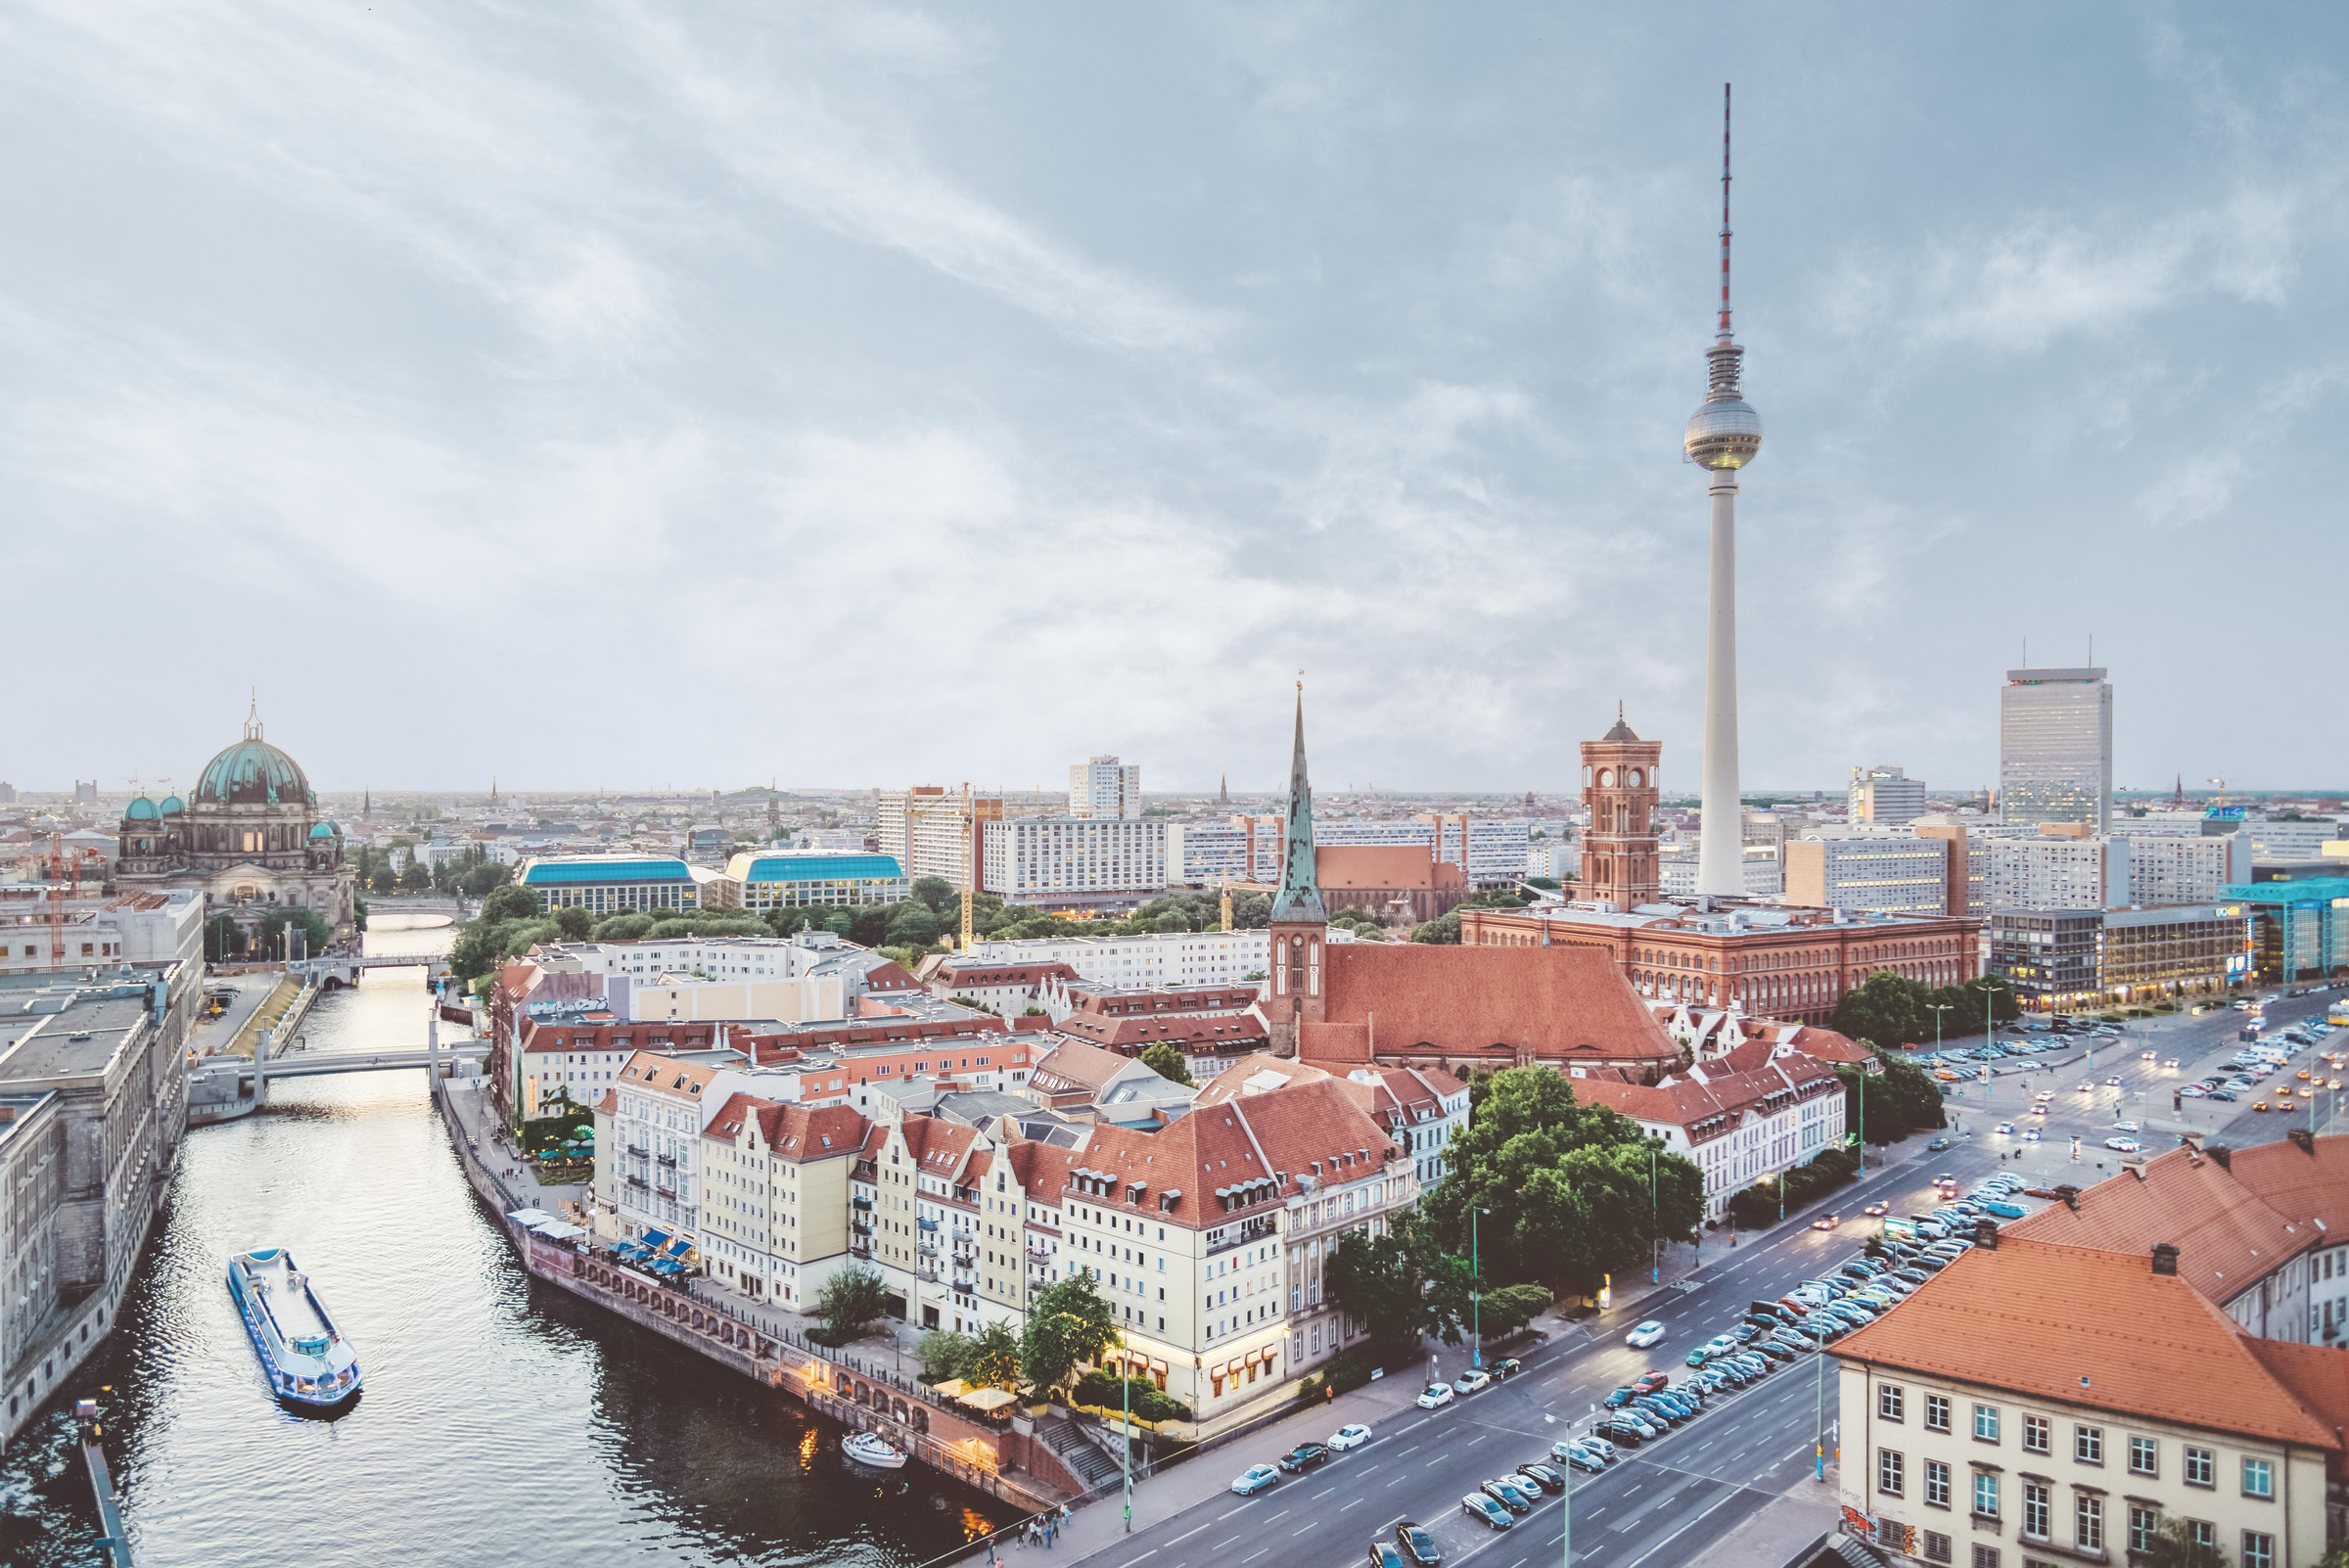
pixel 2175 868
pixel 775 1196
pixel 1489 851
pixel 1997 1420
pixel 1239 848
pixel 2057 873
pixel 1741 1118
pixel 1422 1108
pixel 1899 872
pixel 1886 795
pixel 932 832
pixel 1155 959
pixel 1070 862
pixel 656 1113
pixel 1103 786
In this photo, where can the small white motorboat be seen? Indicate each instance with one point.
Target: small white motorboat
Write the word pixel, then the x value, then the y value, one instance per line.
pixel 871 1448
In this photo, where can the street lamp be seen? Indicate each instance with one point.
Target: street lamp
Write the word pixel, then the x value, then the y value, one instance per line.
pixel 1476 1295
pixel 1655 1222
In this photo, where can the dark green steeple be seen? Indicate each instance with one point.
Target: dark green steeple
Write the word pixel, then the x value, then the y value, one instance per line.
pixel 1300 895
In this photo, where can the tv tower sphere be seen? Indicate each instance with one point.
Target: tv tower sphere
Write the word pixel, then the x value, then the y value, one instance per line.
pixel 1726 433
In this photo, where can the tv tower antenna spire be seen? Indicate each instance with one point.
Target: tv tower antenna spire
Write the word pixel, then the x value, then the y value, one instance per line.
pixel 1723 436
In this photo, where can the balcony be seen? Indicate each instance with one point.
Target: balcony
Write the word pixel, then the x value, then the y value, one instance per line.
pixel 638 1150
pixel 859 1228
pixel 639 1182
pixel 668 1160
pixel 862 1253
pixel 966 1287
pixel 667 1192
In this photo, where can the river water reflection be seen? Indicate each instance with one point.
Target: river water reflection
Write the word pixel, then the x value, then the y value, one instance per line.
pixel 502 1423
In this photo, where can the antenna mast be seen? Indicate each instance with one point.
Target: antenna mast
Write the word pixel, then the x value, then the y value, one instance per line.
pixel 1725 212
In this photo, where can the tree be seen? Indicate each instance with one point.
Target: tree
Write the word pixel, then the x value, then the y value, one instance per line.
pixel 574 921
pixel 1511 1308
pixel 222 940
pixel 944 1354
pixel 1445 929
pixel 1383 1282
pixel 1168 1063
pixel 416 878
pixel 851 1300
pixel 485 878
pixel 630 927
pixel 2174 1545
pixel 1885 1008
pixel 1069 1325
pixel 315 931
pixel 995 1356
pixel 509 903
pixel 1563 1190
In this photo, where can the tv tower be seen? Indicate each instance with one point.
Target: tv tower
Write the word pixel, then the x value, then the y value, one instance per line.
pixel 1723 436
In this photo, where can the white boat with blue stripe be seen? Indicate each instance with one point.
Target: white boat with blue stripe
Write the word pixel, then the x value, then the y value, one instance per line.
pixel 310 1365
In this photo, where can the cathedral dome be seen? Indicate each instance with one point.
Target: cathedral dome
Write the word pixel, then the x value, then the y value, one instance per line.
pixel 322 830
pixel 252 772
pixel 141 809
pixel 172 806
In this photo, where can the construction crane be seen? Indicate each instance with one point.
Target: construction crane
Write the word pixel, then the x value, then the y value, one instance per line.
pixel 970 873
pixel 1243 887
pixel 60 870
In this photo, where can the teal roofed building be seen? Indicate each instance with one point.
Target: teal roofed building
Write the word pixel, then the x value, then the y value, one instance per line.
pixel 798 879
pixel 616 884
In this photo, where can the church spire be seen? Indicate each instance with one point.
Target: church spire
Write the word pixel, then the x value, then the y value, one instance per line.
pixel 1300 896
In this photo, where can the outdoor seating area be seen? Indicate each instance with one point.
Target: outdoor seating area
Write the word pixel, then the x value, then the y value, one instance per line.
pixel 656 1252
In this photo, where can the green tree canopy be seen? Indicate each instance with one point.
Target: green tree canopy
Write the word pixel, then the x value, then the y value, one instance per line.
pixel 1168 1063
pixel 1401 1284
pixel 574 921
pixel 1069 1325
pixel 511 903
pixel 1564 1189
pixel 851 1300
pixel 1885 1008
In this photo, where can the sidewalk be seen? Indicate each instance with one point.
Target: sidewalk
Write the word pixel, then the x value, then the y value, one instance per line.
pixel 518 1185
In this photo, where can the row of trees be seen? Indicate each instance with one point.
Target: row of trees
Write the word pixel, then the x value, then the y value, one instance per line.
pixel 1068 1325
pixel 1888 1010
pixel 1446 927
pixel 1890 1104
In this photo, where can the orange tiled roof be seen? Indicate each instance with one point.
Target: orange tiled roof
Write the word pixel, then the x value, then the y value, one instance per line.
pixel 2226 1235
pixel 1566 1003
pixel 2090 1327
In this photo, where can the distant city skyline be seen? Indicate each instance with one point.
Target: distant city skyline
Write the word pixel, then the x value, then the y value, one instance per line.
pixel 940 394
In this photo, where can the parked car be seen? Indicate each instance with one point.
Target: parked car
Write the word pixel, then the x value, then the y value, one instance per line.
pixel 1616 1430
pixel 1254 1479
pixel 1435 1397
pixel 1650 1381
pixel 1648 1333
pixel 1543 1476
pixel 1508 1496
pixel 1506 1368
pixel 1353 1434
pixel 1471 1381
pixel 1416 1544
pixel 1384 1556
pixel 1303 1457
pixel 1577 1456
pixel 1476 1505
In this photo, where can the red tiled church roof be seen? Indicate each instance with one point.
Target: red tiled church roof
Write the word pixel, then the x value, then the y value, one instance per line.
pixel 1565 1004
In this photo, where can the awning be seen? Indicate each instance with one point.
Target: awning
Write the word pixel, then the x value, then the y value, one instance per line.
pixel 990 1398
pixel 530 1218
pixel 653 1240
pixel 560 1231
pixel 953 1387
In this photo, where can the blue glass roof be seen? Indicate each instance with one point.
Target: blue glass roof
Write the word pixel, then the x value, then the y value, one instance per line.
pixel 820 867
pixel 646 870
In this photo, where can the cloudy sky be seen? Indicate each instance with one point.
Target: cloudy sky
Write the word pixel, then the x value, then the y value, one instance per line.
pixel 610 393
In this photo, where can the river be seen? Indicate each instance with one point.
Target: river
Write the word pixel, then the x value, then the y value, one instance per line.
pixel 502 1423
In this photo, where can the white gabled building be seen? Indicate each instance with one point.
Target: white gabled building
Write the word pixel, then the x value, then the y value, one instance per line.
pixel 1757 1112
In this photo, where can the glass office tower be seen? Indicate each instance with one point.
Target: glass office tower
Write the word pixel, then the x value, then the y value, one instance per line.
pixel 2056 747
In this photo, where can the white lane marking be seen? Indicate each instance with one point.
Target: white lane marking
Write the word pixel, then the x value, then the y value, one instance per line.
pixel 1677 1534
pixel 1188 1534
pixel 1130 1561
pixel 1356 1503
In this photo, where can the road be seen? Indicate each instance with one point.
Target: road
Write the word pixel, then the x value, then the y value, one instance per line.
pixel 1673 1502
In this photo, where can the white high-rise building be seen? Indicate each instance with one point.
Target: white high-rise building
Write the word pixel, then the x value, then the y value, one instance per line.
pixel 1056 859
pixel 1886 795
pixel 1722 437
pixel 2056 747
pixel 936 832
pixel 2050 873
pixel 2172 868
pixel 1103 786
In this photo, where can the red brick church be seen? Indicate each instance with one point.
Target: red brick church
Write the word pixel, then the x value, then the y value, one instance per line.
pixel 1351 1003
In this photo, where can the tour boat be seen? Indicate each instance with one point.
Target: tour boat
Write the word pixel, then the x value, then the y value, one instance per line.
pixel 870 1447
pixel 310 1365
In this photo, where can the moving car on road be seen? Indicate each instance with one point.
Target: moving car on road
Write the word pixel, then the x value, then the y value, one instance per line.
pixel 1648 1333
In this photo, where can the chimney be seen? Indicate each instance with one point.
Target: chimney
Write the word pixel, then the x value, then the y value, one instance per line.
pixel 2305 1139
pixel 2165 1258
pixel 2221 1153
pixel 2070 1196
pixel 1986 1234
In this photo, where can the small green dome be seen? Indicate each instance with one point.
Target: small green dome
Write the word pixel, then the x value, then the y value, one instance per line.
pixel 172 806
pixel 322 830
pixel 141 809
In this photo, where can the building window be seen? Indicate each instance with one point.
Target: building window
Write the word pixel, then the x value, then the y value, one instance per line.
pixel 2201 1468
pixel 2088 1522
pixel 1888 1401
pixel 1986 1495
pixel 1937 1546
pixel 2259 1549
pixel 2259 1479
pixel 1937 1484
pixel 1888 1472
pixel 2034 1434
pixel 1937 1412
pixel 2088 1445
pixel 2145 1456
pixel 1985 1423
pixel 2142 1523
pixel 2035 1510
pixel 1984 1556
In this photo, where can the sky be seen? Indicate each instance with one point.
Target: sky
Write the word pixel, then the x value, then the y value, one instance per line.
pixel 614 394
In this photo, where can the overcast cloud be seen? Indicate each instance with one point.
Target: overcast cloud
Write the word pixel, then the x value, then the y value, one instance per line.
pixel 617 394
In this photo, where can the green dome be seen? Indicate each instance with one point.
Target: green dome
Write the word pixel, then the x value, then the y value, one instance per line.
pixel 252 772
pixel 141 809
pixel 322 830
pixel 172 806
